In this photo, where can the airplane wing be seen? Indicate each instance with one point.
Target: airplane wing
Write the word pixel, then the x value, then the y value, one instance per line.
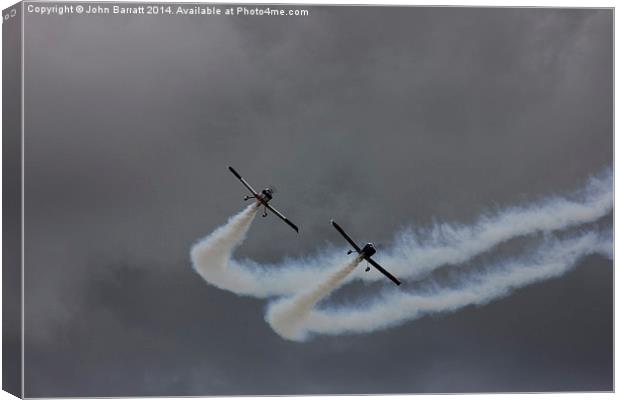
pixel 247 185
pixel 282 217
pixel 383 271
pixel 351 242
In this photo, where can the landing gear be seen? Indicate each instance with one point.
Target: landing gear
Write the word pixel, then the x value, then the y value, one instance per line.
pixel 367 269
pixel 264 212
pixel 246 198
pixel 349 252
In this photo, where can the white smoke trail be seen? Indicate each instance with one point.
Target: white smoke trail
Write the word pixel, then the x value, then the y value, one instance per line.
pixel 212 259
pixel 416 255
pixel 211 256
pixel 413 256
pixel 287 317
pixel 551 260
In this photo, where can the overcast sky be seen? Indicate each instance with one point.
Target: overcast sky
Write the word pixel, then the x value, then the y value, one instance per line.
pixel 381 118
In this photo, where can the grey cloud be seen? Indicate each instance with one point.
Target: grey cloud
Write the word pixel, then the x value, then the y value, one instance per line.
pixel 378 117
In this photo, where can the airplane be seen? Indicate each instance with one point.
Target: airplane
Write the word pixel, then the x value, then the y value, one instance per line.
pixel 262 199
pixel 366 252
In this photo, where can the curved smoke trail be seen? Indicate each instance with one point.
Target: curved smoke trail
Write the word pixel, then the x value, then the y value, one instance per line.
pixel 549 261
pixel 212 256
pixel 414 255
pixel 287 317
pixel 452 244
pixel 212 259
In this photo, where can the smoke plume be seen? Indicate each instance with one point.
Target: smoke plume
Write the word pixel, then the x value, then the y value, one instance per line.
pixel 549 261
pixel 415 255
pixel 287 316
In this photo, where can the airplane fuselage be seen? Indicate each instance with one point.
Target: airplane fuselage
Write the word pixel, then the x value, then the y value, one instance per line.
pixel 368 250
pixel 264 197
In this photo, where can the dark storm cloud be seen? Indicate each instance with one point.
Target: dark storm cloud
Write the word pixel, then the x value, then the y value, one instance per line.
pixel 379 117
